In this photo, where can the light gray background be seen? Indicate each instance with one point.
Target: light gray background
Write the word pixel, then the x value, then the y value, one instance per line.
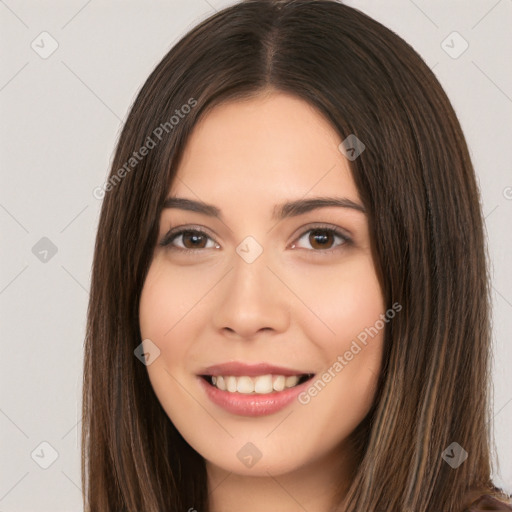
pixel 61 117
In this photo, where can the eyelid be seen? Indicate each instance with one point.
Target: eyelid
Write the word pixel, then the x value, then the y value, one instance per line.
pixel 177 231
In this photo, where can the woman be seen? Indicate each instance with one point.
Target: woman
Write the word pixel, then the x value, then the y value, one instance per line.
pixel 289 305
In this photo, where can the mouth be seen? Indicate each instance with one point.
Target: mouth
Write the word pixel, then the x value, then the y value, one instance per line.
pixel 256 394
pixel 266 384
pixel 252 389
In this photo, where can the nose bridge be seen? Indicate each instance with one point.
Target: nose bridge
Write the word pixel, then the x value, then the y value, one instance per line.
pixel 252 297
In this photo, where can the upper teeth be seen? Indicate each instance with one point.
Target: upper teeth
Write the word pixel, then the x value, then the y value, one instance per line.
pixel 261 384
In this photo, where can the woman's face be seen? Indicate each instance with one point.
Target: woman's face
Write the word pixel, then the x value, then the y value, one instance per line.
pixel 267 292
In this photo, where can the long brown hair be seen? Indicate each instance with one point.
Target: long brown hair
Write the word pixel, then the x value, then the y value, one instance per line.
pixel 418 186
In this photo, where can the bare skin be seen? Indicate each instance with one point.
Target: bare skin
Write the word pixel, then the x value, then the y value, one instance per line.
pixel 300 304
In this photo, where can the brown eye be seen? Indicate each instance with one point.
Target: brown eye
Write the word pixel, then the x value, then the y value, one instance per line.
pixel 324 239
pixel 196 239
pixel 320 239
pixel 190 239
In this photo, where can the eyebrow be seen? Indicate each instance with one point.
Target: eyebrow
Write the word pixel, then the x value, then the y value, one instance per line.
pixel 282 211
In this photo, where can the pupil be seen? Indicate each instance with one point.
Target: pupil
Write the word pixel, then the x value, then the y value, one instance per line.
pixel 315 236
pixel 191 235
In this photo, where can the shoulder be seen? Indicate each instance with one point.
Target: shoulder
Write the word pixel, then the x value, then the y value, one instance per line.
pixel 487 502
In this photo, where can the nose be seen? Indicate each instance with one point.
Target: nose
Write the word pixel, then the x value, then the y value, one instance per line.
pixel 251 299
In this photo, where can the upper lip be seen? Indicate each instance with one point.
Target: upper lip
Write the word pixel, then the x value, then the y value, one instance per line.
pixel 238 369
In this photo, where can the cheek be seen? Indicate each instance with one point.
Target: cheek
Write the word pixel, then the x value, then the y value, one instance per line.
pixel 163 306
pixel 168 296
pixel 351 304
pixel 343 300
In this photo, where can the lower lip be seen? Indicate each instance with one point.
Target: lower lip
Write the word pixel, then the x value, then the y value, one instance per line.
pixel 252 404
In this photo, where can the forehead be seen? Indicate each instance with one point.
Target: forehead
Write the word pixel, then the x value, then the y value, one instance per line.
pixel 263 149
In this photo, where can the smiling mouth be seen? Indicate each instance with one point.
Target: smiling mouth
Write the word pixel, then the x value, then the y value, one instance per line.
pixel 261 384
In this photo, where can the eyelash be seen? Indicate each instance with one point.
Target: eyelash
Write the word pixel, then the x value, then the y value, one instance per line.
pixel 177 232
